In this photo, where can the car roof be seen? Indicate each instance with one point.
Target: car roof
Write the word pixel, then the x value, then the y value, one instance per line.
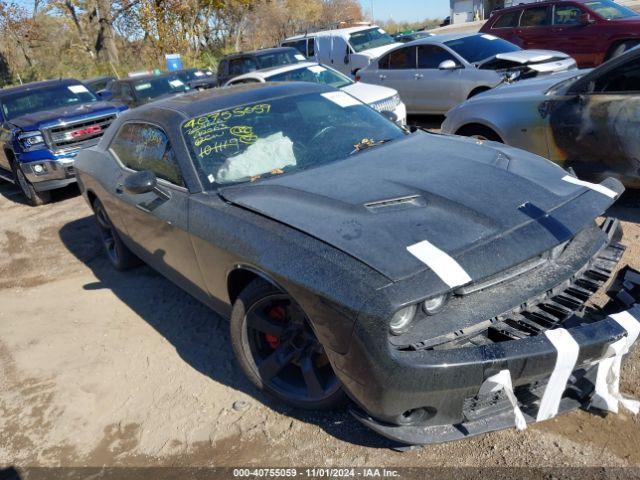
pixel 200 103
pixel 534 4
pixel 347 30
pixel 260 52
pixel 267 72
pixel 439 39
pixel 37 85
pixel 146 77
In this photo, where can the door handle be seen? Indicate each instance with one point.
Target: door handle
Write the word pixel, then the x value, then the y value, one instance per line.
pixel 120 189
pixel 382 77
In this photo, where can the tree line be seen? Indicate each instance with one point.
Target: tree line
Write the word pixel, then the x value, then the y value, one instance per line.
pixel 84 38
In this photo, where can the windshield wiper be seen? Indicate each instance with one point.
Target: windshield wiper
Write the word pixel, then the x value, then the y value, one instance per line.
pixel 368 143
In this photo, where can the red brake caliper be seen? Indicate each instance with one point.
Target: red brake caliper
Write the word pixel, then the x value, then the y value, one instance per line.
pixel 277 314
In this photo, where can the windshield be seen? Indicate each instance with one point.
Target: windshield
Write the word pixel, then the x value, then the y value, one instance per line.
pixel 48 98
pixel 149 88
pixel 287 134
pixel 610 10
pixel 367 39
pixel 479 47
pixel 313 74
pixel 275 59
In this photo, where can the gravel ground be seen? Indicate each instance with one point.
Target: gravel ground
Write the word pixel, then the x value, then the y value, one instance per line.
pixel 101 368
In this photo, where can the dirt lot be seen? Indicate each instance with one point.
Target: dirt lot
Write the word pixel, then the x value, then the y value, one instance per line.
pixel 103 368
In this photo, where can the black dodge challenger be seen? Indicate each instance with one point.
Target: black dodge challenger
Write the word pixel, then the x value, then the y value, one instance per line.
pixel 442 284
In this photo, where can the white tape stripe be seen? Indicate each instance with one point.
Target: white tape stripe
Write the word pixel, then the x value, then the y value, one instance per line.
pixel 502 381
pixel 593 186
pixel 607 394
pixel 627 321
pixel 449 271
pixel 568 350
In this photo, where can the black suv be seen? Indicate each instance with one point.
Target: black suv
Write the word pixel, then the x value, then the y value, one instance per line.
pixel 244 62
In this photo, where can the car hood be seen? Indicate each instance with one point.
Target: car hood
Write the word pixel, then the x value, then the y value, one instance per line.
pixel 477 203
pixel 368 93
pixel 525 57
pixel 530 87
pixel 62 114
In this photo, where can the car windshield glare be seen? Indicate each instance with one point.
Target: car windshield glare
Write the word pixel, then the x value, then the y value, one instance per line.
pixel 476 48
pixel 47 98
pixel 313 74
pixel 610 10
pixel 283 135
pixel 150 88
pixel 367 39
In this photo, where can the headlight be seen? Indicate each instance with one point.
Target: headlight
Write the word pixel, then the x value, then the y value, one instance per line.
pixel 435 304
pixel 388 104
pixel 402 319
pixel 31 139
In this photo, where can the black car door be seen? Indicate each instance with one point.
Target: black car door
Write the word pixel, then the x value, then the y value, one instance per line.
pixel 156 222
pixel 597 129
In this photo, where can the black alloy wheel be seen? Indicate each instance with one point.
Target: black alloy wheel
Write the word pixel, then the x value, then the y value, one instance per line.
pixel 279 351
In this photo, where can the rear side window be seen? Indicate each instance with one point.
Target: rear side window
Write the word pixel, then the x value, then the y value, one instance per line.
pixel 141 146
pixel 431 56
pixel 508 20
pixel 300 45
pixel 235 66
pixel 535 17
pixel 223 68
pixel 567 15
pixel 402 59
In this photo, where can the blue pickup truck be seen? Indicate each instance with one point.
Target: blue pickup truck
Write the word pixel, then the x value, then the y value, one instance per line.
pixel 44 126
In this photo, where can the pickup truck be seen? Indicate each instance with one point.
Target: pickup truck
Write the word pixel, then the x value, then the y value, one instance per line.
pixel 43 126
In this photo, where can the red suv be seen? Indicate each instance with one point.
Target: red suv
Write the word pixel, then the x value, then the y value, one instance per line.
pixel 591 31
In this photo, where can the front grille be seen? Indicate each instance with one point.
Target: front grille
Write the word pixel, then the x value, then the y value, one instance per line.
pixel 79 134
pixel 387 105
pixel 547 311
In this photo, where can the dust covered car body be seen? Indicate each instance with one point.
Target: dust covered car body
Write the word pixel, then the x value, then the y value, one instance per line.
pixel 354 257
pixel 586 120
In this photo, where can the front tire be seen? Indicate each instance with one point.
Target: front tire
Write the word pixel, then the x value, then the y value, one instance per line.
pixel 117 252
pixel 278 351
pixel 34 198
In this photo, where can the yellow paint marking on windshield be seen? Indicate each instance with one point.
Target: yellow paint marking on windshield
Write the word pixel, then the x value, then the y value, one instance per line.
pixel 244 133
pixel 218 147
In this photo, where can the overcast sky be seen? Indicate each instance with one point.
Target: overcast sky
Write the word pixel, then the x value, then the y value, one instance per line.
pixel 407 10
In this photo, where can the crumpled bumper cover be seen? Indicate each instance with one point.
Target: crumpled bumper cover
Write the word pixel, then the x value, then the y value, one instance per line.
pixel 530 360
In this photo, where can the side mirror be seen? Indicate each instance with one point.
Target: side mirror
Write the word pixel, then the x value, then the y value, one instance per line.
pixel 389 115
pixel 448 65
pixel 105 95
pixel 140 182
pixel 585 19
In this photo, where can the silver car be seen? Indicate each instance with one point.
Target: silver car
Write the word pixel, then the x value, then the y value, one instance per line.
pixel 437 73
pixel 586 120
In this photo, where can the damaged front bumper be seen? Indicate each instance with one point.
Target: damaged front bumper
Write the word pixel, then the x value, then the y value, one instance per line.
pixel 442 387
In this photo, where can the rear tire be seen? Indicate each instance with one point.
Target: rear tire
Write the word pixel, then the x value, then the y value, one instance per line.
pixel 34 198
pixel 117 252
pixel 479 132
pixel 278 351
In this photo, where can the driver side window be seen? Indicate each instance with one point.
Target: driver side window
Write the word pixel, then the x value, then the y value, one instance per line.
pixel 141 146
pixel 431 56
pixel 623 79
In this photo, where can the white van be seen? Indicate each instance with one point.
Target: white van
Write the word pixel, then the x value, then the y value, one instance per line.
pixel 345 49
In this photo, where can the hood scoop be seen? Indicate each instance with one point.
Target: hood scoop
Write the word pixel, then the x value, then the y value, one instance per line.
pixel 395 204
